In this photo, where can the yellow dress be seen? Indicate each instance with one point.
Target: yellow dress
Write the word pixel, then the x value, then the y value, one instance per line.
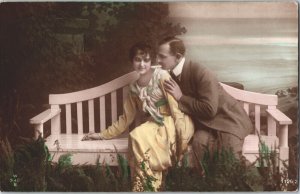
pixel 163 138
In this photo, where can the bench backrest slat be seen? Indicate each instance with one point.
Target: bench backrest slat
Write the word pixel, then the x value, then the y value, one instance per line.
pixel 113 106
pixel 102 113
pixel 68 119
pixel 125 91
pixel 246 107
pixel 91 116
pixel 79 117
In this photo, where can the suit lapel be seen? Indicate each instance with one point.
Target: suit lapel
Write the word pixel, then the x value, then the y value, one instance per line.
pixel 184 75
pixel 174 77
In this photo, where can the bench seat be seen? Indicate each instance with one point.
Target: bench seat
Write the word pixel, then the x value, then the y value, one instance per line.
pixel 86 152
pixel 251 146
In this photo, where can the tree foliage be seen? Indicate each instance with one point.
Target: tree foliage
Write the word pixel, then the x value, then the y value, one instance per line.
pixel 36 60
pixel 122 25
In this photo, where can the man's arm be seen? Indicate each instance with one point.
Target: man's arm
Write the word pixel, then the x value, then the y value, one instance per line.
pixel 183 123
pixel 205 103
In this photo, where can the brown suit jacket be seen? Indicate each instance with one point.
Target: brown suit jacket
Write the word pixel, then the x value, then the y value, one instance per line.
pixel 209 104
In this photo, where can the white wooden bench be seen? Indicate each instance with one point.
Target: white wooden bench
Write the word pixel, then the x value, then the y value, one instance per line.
pixel 84 105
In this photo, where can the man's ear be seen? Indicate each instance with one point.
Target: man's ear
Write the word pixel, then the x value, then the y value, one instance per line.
pixel 179 56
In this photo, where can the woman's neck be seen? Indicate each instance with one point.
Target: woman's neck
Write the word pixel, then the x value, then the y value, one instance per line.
pixel 144 79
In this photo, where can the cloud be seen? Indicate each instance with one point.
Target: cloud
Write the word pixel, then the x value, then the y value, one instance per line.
pixel 220 40
pixel 234 9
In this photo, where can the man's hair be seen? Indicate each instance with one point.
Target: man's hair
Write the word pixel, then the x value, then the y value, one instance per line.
pixel 140 48
pixel 176 44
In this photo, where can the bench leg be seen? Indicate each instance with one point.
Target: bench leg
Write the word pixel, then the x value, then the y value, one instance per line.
pixel 283 158
pixel 283 147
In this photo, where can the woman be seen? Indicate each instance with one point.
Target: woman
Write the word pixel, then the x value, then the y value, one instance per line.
pixel 166 131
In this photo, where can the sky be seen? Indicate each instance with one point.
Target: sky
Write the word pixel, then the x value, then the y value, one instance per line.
pixel 287 9
pixel 261 48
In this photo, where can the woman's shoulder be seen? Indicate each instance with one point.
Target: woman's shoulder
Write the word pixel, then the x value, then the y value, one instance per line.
pixel 161 73
pixel 133 88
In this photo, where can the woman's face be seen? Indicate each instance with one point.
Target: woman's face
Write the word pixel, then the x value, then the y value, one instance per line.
pixel 141 63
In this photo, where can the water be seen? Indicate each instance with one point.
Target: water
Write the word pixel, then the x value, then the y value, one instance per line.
pixel 262 54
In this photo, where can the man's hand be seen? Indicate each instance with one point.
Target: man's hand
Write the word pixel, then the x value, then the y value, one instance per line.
pixel 173 88
pixel 91 136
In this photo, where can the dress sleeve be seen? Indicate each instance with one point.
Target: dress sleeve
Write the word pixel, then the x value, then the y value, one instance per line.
pixel 183 123
pixel 122 124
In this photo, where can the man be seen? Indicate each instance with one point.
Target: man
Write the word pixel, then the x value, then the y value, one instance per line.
pixel 220 121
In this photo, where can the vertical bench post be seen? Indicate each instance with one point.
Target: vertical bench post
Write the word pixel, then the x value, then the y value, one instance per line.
pixel 55 121
pixel 38 130
pixel 257 119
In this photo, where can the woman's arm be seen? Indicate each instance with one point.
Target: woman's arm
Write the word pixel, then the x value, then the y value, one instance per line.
pixel 183 123
pixel 119 126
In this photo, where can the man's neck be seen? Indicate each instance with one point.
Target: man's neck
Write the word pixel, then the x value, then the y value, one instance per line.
pixel 178 68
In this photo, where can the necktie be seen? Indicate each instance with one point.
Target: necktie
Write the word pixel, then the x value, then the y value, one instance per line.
pixel 174 77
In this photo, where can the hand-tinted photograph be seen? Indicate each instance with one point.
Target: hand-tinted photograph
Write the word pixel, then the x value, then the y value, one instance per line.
pixel 149 96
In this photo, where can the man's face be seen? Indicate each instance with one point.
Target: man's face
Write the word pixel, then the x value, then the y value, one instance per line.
pixel 165 58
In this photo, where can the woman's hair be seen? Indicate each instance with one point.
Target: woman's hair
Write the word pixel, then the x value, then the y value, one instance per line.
pixel 141 48
pixel 176 45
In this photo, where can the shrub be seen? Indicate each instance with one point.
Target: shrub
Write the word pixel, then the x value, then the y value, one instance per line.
pixel 8 180
pixel 30 164
pixel 222 172
pixel 30 168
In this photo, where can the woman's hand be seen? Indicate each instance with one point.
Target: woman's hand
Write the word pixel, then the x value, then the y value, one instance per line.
pixel 91 136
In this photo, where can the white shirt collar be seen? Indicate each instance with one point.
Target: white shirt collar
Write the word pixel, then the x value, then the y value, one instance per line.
pixel 178 68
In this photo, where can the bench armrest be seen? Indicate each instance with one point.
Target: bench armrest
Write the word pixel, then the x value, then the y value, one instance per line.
pixel 44 116
pixel 279 116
